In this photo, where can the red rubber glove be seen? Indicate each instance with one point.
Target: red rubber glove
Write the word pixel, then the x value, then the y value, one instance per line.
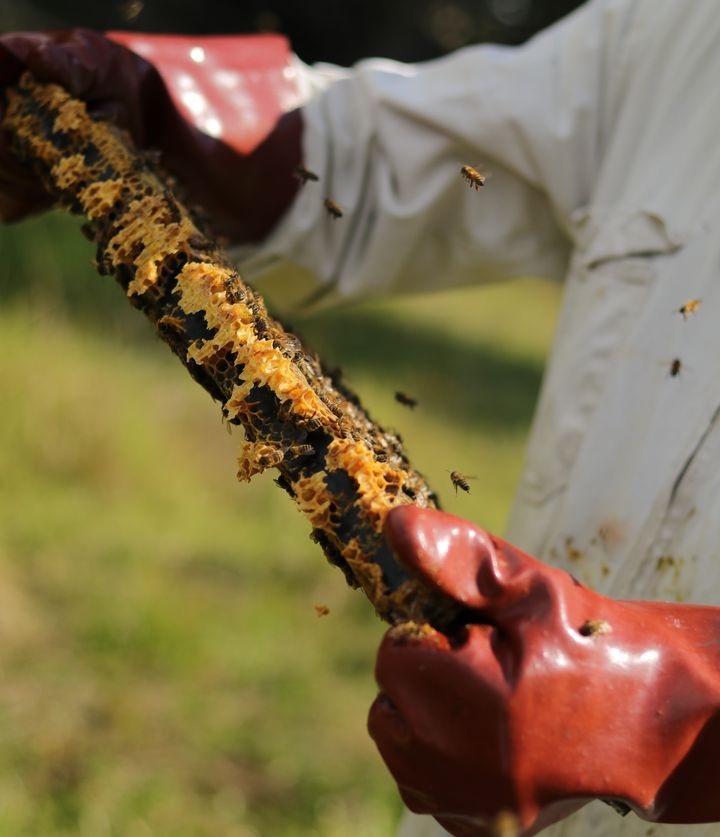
pixel 222 111
pixel 552 695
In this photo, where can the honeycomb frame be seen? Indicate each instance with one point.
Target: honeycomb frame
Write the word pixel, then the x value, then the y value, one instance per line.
pixel 343 471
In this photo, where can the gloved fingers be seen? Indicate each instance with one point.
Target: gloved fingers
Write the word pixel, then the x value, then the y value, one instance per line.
pixel 430 691
pixel 467 564
pixel 439 723
pixel 244 192
pixel 442 728
pixel 110 78
pixel 73 58
pixel 447 552
pixel 107 76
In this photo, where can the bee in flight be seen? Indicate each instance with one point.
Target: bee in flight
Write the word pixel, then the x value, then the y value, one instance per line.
pixel 460 481
pixel 131 9
pixel 674 367
pixel 475 178
pixel 304 174
pixel 406 400
pixel 690 307
pixel 333 209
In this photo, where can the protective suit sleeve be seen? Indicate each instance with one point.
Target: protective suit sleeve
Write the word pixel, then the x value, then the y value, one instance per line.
pixel 388 141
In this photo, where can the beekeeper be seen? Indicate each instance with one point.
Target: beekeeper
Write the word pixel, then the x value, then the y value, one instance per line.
pixel 602 137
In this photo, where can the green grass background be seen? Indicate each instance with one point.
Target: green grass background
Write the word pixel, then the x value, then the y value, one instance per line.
pixel 163 668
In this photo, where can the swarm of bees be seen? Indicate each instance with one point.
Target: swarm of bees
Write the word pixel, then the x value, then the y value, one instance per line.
pixel 688 308
pixel 475 178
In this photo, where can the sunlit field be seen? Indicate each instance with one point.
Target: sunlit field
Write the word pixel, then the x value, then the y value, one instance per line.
pixel 164 671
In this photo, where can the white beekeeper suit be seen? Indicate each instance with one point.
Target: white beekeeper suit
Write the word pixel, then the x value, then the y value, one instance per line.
pixel 603 136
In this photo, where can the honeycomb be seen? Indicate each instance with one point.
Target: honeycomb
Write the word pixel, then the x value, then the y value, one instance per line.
pixel 343 471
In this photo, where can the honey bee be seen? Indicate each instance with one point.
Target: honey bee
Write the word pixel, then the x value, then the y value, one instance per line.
pixel 171 322
pixel 460 481
pixel 174 209
pixel 88 231
pixel 131 9
pixel 301 450
pixel 621 808
pixel 406 400
pixel 506 825
pixel 690 307
pixel 333 209
pixel 233 292
pixel 675 367
pixel 104 263
pixel 594 627
pixel 269 457
pixel 475 178
pixel 304 174
pixel 312 423
pixel 199 242
pixel 152 157
pixel 321 610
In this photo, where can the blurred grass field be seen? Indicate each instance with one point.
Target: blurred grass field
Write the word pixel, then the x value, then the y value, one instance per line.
pixel 164 670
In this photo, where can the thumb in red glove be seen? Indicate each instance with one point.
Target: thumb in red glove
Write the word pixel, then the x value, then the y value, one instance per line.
pixel 218 109
pixel 550 695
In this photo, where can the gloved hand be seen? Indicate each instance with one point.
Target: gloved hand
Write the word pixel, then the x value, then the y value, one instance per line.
pixel 222 112
pixel 549 696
